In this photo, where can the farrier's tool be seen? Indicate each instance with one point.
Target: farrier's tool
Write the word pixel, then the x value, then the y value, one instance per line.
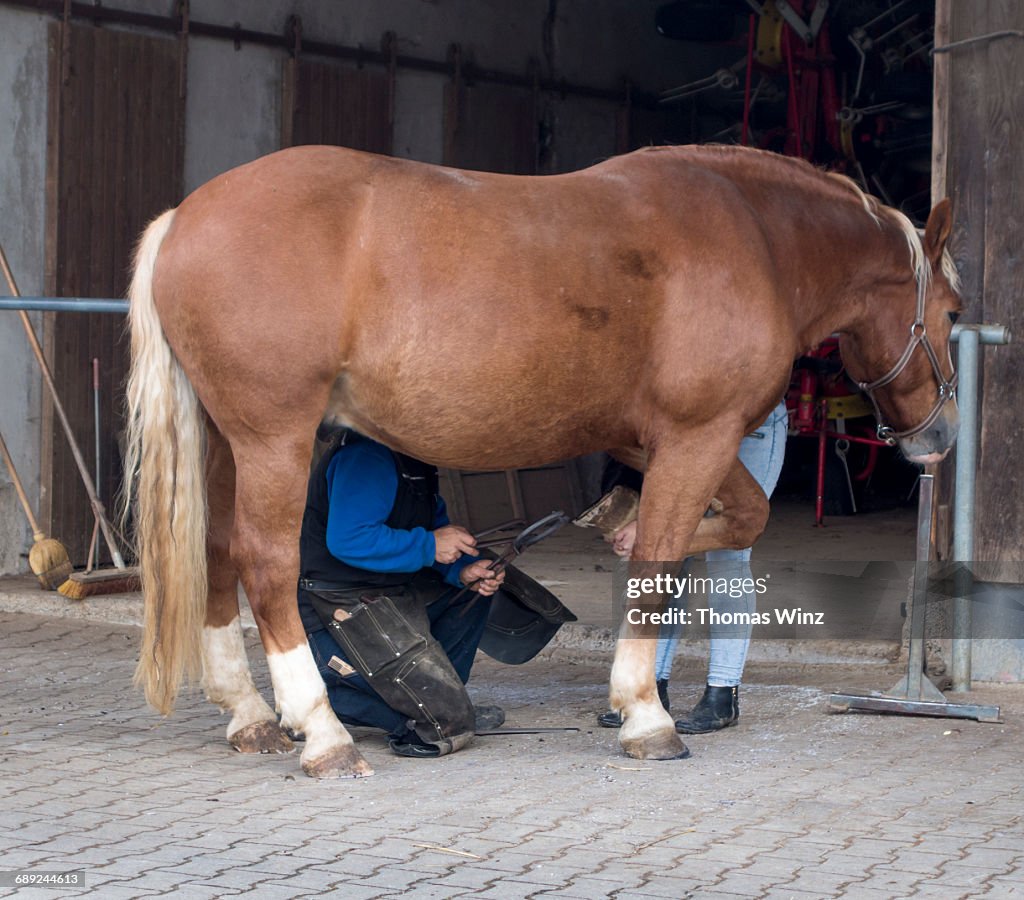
pixel 530 535
pixel 494 732
pixel 496 529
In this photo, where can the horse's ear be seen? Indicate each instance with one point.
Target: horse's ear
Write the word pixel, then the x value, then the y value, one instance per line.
pixel 936 232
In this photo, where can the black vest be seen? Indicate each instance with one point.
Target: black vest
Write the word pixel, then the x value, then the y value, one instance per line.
pixel 414 507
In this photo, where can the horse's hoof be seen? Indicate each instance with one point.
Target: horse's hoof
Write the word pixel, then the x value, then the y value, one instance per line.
pixel 659 745
pixel 340 762
pixel 261 737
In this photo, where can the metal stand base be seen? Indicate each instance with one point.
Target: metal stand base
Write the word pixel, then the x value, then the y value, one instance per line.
pixel 914 694
pixel 884 703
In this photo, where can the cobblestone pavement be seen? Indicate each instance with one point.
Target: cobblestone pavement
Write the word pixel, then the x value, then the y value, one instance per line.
pixel 793 803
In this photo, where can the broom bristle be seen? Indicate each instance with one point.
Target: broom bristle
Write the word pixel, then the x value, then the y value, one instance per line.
pixel 49 562
pixel 106 581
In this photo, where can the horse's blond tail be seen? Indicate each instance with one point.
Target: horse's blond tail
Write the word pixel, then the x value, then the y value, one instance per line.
pixel 166 437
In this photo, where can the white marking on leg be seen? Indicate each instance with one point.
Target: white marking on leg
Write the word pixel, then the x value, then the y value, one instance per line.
pixel 302 699
pixel 633 675
pixel 227 679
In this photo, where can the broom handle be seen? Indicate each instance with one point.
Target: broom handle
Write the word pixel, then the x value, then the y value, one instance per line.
pixel 90 488
pixel 37 535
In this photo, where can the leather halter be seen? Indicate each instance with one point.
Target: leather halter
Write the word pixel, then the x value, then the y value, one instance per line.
pixel 947 388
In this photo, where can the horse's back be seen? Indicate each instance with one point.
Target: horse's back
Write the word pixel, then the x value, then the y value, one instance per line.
pixel 409 290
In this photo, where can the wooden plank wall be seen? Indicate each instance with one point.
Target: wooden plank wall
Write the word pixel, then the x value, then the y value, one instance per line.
pixel 490 128
pixel 978 163
pixel 120 163
pixel 326 103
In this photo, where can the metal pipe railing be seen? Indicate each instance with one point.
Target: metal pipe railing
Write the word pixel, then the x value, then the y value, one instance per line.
pixel 65 304
pixel 969 339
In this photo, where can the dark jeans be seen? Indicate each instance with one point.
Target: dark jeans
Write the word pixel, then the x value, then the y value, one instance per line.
pixel 352 698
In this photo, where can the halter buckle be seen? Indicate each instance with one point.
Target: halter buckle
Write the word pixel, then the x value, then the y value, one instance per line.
pixel 887 434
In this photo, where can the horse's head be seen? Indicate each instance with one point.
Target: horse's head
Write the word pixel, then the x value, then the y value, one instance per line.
pixel 900 353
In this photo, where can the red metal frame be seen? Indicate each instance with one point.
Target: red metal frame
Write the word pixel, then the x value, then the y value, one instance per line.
pixel 813 101
pixel 808 403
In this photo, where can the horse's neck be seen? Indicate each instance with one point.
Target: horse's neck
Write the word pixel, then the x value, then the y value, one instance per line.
pixel 831 257
pixel 829 251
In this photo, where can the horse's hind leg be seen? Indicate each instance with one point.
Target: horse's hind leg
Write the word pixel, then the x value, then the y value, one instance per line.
pixel 682 476
pixel 226 677
pixel 742 519
pixel 270 495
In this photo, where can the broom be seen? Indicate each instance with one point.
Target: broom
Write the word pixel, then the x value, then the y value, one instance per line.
pixel 48 559
pixel 79 585
pixel 96 581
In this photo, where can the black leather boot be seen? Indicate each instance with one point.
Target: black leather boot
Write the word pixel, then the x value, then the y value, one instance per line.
pixel 718 708
pixel 613 719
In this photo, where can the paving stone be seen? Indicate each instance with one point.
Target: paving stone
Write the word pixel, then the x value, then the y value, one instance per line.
pixel 989 858
pixel 781 807
pixel 433 892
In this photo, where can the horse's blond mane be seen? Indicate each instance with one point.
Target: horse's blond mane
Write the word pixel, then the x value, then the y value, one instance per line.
pixel 918 260
pixel 950 271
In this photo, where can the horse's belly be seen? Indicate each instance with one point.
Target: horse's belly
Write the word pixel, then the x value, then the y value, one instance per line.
pixel 460 427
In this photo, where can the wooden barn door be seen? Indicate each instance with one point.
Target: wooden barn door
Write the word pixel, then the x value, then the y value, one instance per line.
pixel 494 128
pixel 490 127
pixel 327 103
pixel 116 161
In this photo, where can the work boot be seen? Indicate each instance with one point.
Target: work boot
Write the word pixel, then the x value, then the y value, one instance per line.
pixel 718 708
pixel 487 718
pixel 412 745
pixel 613 718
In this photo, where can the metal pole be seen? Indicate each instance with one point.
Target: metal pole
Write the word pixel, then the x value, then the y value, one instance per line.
pixel 987 334
pixel 963 511
pixel 65 304
pixel 915 665
pixel 914 694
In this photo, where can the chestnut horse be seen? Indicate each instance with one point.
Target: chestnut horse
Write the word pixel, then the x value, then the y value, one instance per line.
pixel 653 302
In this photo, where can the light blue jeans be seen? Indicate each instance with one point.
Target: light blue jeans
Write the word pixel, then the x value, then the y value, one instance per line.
pixel 762 453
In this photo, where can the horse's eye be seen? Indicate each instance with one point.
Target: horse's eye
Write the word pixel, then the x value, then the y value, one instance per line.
pixel 953 316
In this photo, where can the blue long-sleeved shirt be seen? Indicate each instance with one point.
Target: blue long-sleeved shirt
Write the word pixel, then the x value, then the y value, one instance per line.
pixel 362 482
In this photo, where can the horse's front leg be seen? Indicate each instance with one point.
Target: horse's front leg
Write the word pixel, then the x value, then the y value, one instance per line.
pixel 682 476
pixel 227 679
pixel 270 496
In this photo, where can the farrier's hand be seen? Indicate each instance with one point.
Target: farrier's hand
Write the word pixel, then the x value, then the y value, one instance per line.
pixel 479 569
pixel 451 542
pixel 624 539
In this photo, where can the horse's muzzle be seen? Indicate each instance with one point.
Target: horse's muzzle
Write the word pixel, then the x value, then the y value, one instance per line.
pixel 932 444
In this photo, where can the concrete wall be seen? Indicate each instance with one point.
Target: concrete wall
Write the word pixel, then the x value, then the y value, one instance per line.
pixel 23 79
pixel 233 115
pixel 234 95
